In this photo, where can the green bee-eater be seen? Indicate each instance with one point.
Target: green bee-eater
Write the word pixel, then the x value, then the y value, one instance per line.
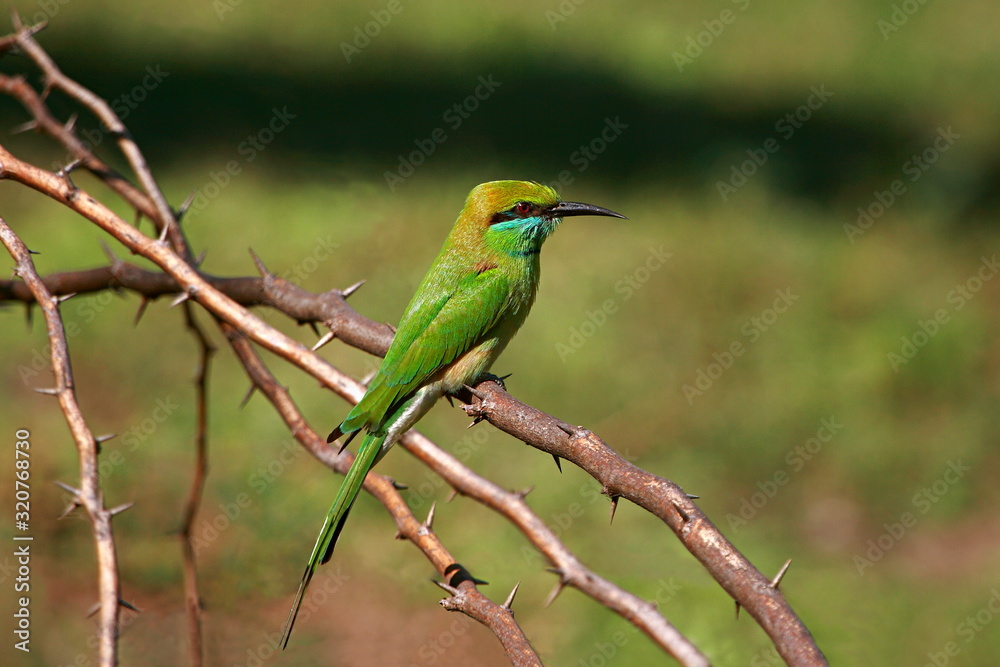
pixel 470 304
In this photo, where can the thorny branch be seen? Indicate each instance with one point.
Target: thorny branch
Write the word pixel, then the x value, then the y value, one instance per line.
pixel 89 494
pixel 192 599
pixel 226 299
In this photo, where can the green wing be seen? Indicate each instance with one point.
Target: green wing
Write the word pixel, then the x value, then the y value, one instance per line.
pixel 433 334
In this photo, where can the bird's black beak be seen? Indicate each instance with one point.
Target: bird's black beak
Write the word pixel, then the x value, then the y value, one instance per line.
pixel 565 209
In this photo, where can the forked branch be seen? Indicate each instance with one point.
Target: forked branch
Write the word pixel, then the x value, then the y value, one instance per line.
pixel 227 300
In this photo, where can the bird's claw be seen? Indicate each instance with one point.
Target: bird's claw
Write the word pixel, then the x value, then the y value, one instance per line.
pixel 495 378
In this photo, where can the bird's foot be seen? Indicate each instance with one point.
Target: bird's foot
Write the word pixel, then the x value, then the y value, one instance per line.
pixel 494 378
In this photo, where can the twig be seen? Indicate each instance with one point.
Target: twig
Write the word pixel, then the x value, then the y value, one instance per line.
pixel 191 596
pixel 54 78
pixel 89 494
pixel 18 88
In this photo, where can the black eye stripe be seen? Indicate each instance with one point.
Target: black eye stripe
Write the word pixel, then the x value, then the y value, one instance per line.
pixel 502 216
pixel 530 210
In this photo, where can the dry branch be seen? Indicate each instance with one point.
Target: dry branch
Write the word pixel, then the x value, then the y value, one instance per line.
pixel 89 494
pixel 192 599
pixel 227 299
pixel 54 79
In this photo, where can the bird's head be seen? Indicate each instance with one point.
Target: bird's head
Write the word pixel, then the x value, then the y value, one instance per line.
pixel 515 217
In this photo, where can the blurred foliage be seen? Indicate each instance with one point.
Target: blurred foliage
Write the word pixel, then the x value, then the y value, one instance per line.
pixel 617 335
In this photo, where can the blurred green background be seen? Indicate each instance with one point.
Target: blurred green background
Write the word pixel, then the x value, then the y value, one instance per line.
pixel 816 358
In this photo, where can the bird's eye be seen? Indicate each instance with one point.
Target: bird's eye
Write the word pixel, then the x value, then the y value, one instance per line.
pixel 522 207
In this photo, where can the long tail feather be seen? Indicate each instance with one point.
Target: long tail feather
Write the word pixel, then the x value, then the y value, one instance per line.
pixel 334 523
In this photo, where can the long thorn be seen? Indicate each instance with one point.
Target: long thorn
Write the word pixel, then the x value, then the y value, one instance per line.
pixel 781 574
pixel 327 337
pixel 182 211
pixel 510 598
pixel 428 525
pixel 25 127
pixel 129 605
pixel 259 263
pixel 140 312
pixel 450 589
pixel 560 585
pixel 181 298
pixel 121 508
pixel 68 488
pixel 250 391
pixel 348 291
pixel 73 504
pixel 475 392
